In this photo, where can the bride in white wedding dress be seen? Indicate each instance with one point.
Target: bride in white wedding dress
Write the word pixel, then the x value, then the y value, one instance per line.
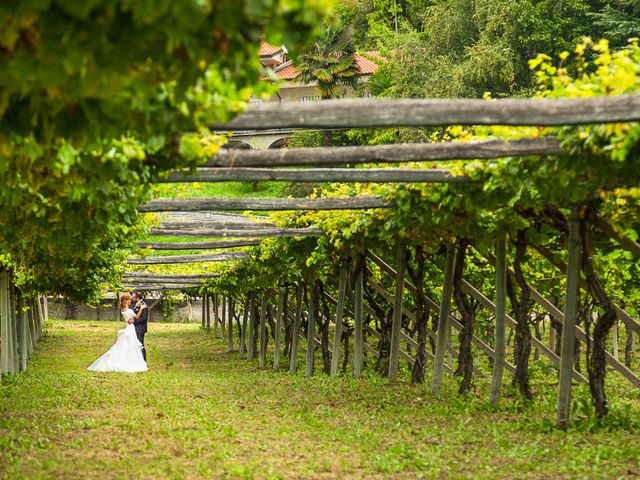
pixel 126 353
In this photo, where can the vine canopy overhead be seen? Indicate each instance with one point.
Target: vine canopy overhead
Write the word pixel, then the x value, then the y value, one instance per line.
pixel 94 98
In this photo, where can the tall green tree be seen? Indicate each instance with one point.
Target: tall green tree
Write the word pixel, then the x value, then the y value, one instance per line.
pixel 330 64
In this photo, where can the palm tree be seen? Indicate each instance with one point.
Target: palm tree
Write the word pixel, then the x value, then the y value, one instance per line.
pixel 330 62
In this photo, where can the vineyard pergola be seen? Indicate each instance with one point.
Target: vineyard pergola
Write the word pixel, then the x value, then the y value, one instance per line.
pixel 251 312
pixel 21 327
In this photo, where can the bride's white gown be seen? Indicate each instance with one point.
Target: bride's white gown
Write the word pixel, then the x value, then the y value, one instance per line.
pixel 126 353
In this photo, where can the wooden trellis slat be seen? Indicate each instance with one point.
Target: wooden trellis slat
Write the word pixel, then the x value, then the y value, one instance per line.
pixel 551 309
pixel 403 336
pixel 365 113
pixel 606 226
pixel 363 175
pixel 264 204
pixel 396 153
pixel 216 225
pixel 159 279
pixel 220 244
pixel 160 287
pixel 450 348
pixel 486 303
pixel 262 233
pixel 169 259
pixel 473 291
pixel 612 360
pixel 628 320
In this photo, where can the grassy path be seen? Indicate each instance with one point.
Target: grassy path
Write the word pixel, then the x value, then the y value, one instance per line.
pixel 203 413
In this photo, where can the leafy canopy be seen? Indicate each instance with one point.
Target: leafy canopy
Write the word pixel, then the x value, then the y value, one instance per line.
pixel 96 97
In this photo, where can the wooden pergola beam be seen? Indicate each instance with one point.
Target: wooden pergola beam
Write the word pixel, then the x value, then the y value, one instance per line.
pixel 366 113
pixel 198 245
pixel 248 225
pixel 169 259
pixel 264 204
pixel 266 233
pixel 363 175
pixel 396 153
pixel 160 288
pixel 131 277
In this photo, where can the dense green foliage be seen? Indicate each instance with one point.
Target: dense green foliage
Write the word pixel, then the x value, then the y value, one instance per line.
pixel 463 48
pixel 528 196
pixel 96 97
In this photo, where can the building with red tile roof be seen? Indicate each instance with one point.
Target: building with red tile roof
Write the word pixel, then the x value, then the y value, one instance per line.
pixel 275 58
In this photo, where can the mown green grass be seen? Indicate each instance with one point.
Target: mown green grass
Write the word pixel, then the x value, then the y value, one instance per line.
pixel 201 412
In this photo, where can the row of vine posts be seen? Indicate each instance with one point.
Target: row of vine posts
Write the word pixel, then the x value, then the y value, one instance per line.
pixel 21 325
pixel 303 311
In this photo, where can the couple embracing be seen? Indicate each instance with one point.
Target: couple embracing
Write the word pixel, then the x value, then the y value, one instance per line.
pixel 128 353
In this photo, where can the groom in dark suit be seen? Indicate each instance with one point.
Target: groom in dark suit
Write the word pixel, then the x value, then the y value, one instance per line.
pixel 140 319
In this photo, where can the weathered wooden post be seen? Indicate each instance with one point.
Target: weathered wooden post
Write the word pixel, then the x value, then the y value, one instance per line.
pixel 243 330
pixel 45 307
pixel 263 330
pixel 223 320
pixel 6 360
pixel 13 318
pixel 443 319
pixel 204 311
pixel 278 332
pixel 230 312
pixel 501 310
pixel 357 314
pixel 295 336
pixel 215 315
pixel 569 326
pixel 396 326
pixel 342 289
pixel 252 333
pixel 208 310
pixel 23 332
pixel 311 329
pixel 31 326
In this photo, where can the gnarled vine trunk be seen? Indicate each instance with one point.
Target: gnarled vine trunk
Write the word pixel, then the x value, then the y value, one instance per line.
pixel 383 318
pixel 422 315
pixel 323 327
pixel 596 360
pixel 521 309
pixel 467 309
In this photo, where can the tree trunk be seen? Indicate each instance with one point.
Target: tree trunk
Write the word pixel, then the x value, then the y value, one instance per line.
pixel 521 309
pixel 422 316
pixel 596 360
pixel 467 318
pixel 323 327
pixel 557 326
pixel 384 328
